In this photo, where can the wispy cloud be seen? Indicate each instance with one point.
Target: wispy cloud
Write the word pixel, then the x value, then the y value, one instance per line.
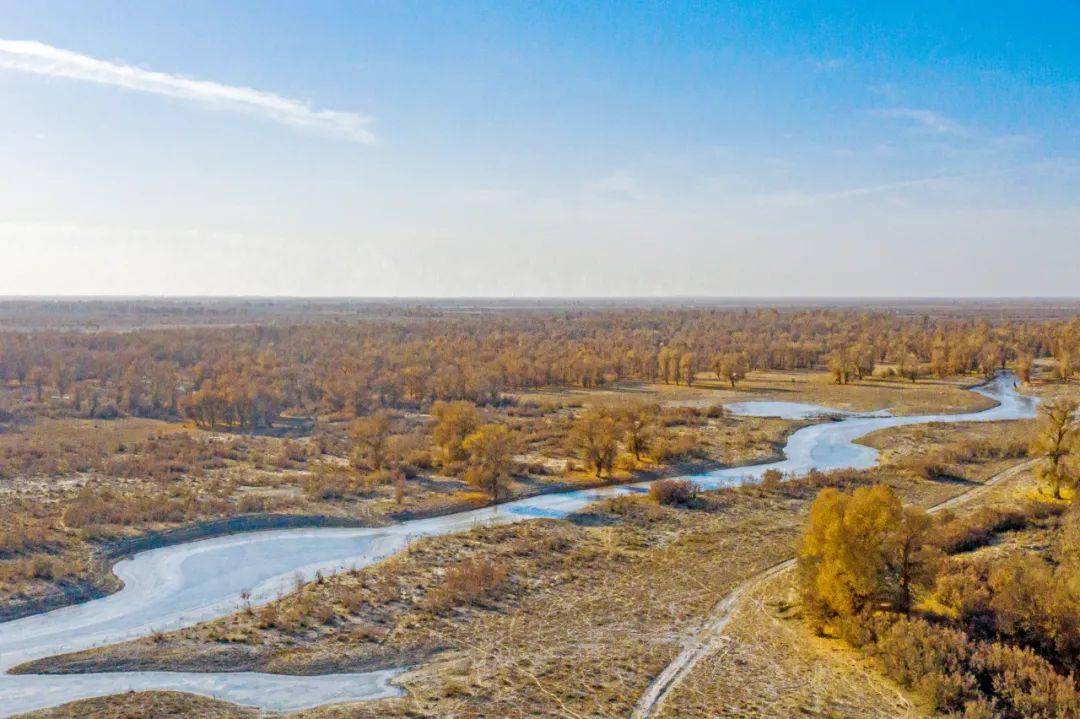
pixel 41 59
pixel 925 119
pixel 797 198
pixel 827 64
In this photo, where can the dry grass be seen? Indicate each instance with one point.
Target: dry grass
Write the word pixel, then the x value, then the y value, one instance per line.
pixel 570 630
pixel 900 396
pixel 968 450
pixel 564 631
pixel 159 705
pixel 771 665
pixel 75 483
pixel 1046 384
pixel 62 447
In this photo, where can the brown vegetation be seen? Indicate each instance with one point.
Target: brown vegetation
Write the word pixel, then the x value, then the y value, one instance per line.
pixel 989 637
pixel 250 378
pixel 1056 443
pixel 567 630
pixel 394 412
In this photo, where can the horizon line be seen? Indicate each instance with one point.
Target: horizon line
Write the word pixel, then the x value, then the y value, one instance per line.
pixel 528 298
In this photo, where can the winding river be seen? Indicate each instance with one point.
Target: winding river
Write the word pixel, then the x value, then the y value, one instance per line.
pixel 181 585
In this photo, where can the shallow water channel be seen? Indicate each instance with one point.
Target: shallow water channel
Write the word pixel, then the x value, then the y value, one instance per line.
pixel 180 585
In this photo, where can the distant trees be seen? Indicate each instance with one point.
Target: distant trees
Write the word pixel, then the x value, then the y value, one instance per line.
pixel 206 407
pixel 241 378
pixel 864 359
pixel 905 363
pixel 1064 352
pixel 989 360
pixel 731 366
pixel 37 379
pixel 237 404
pixel 939 360
pixel 673 365
pixel 1057 439
pixel 688 367
pixel 841 366
pixel 1023 368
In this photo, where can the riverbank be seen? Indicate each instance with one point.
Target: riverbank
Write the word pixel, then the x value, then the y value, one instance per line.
pixel 102 581
pixel 693 554
pixel 569 607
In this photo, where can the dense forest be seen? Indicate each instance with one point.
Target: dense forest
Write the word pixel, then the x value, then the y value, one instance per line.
pixel 247 377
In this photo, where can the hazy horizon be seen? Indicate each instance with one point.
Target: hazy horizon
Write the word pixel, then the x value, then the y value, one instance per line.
pixel 586 151
pixel 761 300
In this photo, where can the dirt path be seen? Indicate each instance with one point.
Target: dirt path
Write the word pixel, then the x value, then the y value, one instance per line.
pixel 705 641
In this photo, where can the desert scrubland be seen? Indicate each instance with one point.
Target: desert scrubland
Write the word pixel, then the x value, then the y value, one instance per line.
pixel 123 437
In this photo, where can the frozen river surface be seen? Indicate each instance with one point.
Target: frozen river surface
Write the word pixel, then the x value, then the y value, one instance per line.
pixel 180 585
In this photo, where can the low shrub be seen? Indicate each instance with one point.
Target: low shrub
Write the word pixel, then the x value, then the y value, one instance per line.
pixel 674 492
pixel 971 677
pixel 633 507
pixel 963 534
pixel 933 468
pixel 468 583
pixel 771 479
pixel 92 507
pixel 674 447
pixel 333 482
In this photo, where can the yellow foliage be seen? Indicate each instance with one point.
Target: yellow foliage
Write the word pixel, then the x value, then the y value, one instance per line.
pixel 860 551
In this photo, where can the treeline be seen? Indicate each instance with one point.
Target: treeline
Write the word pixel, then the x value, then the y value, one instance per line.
pixel 245 377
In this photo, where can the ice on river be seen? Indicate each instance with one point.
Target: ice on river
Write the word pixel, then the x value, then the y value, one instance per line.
pixel 181 585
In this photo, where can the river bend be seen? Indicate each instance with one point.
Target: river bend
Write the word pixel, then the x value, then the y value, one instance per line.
pixel 181 585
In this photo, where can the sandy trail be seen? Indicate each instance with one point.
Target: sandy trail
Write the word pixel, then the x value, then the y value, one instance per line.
pixel 707 639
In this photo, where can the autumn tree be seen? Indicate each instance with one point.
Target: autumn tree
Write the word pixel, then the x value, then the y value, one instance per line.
pixel 1064 354
pixel 663 360
pixel 840 365
pixel 1023 368
pixel 454 421
pixel 638 422
pixel 731 366
pixel 862 551
pixel 903 359
pixel 37 378
pixel 490 449
pixel 594 436
pixel 1057 437
pixel 671 365
pixel 674 366
pixel 371 439
pixel 939 359
pixel 863 357
pixel 207 406
pixel 989 360
pixel 688 367
pixel 60 376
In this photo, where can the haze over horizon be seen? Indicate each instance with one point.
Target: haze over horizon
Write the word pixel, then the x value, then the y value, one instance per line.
pixel 493 150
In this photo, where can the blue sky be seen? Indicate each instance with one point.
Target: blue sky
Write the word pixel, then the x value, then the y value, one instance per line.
pixel 428 149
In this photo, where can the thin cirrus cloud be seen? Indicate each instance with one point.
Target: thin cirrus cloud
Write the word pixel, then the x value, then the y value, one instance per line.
pixel 41 59
pixel 925 119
